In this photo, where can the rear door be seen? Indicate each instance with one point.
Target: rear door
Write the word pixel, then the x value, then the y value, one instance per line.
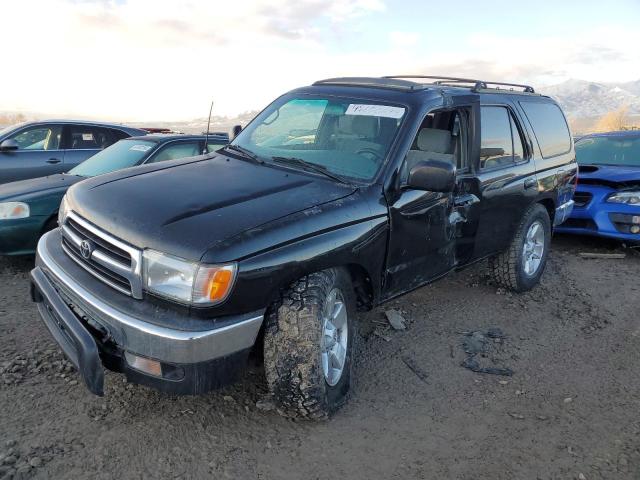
pixel 39 153
pixel 84 141
pixel 506 175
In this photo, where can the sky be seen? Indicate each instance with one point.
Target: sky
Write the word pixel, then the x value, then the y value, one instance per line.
pixel 140 60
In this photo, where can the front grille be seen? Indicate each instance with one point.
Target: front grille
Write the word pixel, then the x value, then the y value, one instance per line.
pixel 105 257
pixel 582 199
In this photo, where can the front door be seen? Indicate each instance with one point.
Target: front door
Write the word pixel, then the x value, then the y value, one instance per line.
pixel 38 154
pixel 426 227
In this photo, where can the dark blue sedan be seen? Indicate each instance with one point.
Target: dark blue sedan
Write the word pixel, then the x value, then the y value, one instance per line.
pixel 36 149
pixel 607 199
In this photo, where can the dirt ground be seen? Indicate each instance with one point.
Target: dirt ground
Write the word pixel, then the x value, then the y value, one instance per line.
pixel 571 410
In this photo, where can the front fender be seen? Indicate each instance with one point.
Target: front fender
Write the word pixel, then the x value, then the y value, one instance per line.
pixel 262 276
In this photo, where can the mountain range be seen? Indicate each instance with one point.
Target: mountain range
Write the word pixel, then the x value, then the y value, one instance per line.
pixel 581 98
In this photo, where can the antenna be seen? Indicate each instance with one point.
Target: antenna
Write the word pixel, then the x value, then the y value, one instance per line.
pixel 206 137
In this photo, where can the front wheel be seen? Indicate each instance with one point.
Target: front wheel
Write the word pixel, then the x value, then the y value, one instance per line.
pixel 309 344
pixel 520 267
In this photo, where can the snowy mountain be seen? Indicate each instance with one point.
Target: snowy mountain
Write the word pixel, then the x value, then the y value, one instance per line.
pixel 580 98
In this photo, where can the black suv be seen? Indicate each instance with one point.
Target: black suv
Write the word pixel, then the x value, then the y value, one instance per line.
pixel 337 197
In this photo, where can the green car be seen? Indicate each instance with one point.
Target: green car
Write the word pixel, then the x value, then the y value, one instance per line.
pixel 29 208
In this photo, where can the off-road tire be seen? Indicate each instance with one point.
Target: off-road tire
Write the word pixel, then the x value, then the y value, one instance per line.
pixel 507 267
pixel 292 347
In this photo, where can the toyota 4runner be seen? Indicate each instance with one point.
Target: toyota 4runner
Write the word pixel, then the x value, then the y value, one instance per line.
pixel 337 197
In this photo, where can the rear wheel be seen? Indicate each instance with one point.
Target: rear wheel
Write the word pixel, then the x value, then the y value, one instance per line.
pixel 520 267
pixel 309 344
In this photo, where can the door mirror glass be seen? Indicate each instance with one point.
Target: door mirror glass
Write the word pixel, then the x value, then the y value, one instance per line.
pixel 9 144
pixel 432 176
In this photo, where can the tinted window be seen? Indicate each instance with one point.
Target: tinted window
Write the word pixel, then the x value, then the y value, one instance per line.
pixel 42 137
pixel 176 151
pixel 87 137
pixel 119 134
pixel 496 142
pixel 614 150
pixel 549 127
pixel 125 153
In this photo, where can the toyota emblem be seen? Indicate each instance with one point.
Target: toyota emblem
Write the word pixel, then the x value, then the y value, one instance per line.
pixel 86 249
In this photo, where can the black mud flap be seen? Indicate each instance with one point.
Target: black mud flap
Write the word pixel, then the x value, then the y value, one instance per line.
pixel 74 339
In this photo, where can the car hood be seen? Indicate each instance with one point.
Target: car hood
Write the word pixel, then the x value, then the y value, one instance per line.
pixel 609 174
pixel 26 189
pixel 187 208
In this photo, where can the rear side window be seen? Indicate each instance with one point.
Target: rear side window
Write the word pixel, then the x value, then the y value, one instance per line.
pixel 500 141
pixel 89 138
pixel 549 127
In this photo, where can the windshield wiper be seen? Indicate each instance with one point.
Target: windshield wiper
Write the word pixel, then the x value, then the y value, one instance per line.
pixel 245 152
pixel 314 167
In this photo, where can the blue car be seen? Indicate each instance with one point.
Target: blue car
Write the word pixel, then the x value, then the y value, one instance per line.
pixel 607 199
pixel 37 149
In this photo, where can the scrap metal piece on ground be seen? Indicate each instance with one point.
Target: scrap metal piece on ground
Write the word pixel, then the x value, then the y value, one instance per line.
pixel 396 320
pixel 481 342
pixel 602 255
pixel 415 368
pixel 472 364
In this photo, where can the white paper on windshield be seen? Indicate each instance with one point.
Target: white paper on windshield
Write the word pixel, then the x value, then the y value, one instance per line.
pixel 374 110
pixel 140 148
pixel 87 137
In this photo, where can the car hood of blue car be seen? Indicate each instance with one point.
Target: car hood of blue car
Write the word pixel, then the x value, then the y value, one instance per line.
pixel 33 187
pixel 610 174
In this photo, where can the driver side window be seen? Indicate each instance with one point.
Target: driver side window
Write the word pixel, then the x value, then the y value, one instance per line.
pixel 441 136
pixel 40 137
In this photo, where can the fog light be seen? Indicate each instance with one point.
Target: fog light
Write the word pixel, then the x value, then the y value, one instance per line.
pixel 146 365
pixel 635 229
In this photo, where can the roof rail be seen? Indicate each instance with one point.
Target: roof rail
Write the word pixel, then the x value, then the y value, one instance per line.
pixel 376 82
pixel 457 81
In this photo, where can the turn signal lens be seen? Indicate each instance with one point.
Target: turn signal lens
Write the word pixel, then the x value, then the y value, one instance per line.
pixel 13 210
pixel 213 284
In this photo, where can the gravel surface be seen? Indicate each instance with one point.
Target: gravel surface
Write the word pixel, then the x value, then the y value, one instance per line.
pixel 569 411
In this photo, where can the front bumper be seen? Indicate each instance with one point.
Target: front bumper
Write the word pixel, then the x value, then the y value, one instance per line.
pixel 73 304
pixel 600 218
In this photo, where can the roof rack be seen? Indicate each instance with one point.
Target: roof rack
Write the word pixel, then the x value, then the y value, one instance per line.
pixel 459 82
pixel 395 83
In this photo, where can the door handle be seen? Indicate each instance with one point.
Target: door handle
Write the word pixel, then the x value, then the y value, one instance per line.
pixel 54 160
pixel 530 183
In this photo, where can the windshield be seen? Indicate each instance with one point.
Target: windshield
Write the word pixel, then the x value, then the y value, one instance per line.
pixel 122 154
pixel 612 150
pixel 348 137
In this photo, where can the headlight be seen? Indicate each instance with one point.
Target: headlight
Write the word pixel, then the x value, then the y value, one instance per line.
pixel 632 198
pixel 187 282
pixel 63 211
pixel 12 210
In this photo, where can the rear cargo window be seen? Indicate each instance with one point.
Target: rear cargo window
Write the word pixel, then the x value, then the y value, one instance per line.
pixel 549 127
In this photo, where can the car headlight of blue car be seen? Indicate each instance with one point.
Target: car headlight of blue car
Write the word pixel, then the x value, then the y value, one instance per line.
pixel 14 210
pixel 630 198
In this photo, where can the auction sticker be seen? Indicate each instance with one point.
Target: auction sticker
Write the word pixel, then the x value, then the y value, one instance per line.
pixel 140 148
pixel 374 110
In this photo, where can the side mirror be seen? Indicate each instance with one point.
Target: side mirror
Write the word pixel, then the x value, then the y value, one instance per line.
pixel 235 131
pixel 432 176
pixel 9 144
